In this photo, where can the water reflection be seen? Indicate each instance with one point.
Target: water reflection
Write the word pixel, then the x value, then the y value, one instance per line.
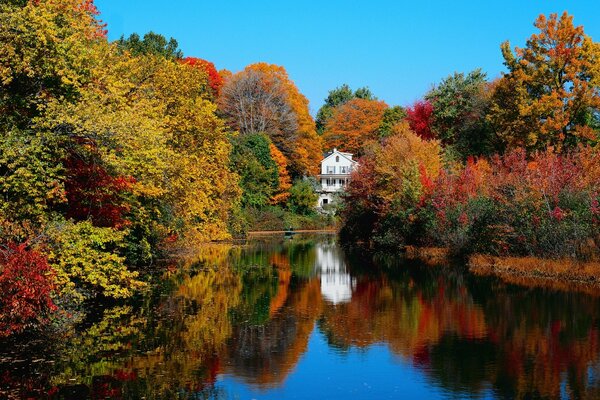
pixel 336 283
pixel 304 319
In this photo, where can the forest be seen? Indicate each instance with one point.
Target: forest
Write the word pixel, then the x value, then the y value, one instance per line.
pixel 114 155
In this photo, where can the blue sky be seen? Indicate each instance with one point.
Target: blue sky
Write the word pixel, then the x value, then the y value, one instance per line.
pixel 397 48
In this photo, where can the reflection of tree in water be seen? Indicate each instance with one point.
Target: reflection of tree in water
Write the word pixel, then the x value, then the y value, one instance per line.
pixel 265 354
pixel 250 313
pixel 469 333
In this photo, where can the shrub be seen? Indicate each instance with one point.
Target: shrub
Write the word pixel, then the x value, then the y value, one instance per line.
pixel 26 283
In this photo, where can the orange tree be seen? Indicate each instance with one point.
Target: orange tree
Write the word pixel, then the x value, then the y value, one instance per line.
pixel 550 95
pixel 354 123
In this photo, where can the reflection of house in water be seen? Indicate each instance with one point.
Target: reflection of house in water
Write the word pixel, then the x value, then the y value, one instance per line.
pixel 336 282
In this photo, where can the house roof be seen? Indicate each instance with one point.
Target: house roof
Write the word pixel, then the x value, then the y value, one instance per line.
pixel 347 156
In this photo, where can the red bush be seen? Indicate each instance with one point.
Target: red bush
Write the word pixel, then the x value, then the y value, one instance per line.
pixel 25 285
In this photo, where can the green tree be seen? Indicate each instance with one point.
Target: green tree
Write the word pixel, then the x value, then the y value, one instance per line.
pixel 259 177
pixel 391 117
pixel 460 105
pixel 152 43
pixel 303 196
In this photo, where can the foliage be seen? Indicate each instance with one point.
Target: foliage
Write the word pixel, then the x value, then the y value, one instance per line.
pixel 353 124
pixel 87 262
pixel 391 117
pixel 460 104
pixel 419 117
pixel 338 97
pixel 303 197
pixel 551 88
pixel 394 177
pixel 262 99
pixel 26 283
pixel 284 181
pixel 152 43
pixel 251 156
pixel 215 80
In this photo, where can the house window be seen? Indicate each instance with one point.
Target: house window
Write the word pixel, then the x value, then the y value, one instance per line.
pixel 325 201
pixel 337 158
pixel 331 170
pixel 343 170
pixel 329 183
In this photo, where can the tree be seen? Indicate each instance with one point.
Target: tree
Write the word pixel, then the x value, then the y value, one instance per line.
pixel 215 80
pixel 460 104
pixel 303 197
pixel 550 94
pixel 26 283
pixel 391 117
pixel 338 97
pixel 284 184
pixel 251 157
pixel 419 117
pixel 353 124
pixel 262 98
pixel 152 43
pixel 252 105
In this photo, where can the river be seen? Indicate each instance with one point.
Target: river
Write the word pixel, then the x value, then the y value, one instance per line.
pixel 302 318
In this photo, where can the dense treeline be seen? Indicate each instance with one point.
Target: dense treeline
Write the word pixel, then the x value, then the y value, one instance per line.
pixel 113 154
pixel 510 166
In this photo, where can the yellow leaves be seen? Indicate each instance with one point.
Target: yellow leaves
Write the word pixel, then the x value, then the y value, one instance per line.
pixel 400 159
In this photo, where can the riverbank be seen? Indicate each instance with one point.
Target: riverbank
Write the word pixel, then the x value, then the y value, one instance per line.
pixel 563 274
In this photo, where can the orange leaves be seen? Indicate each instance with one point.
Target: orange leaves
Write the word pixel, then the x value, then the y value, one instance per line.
pixel 285 182
pixel 549 95
pixel 353 124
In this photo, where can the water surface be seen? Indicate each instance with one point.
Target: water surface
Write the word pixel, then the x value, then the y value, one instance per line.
pixel 304 319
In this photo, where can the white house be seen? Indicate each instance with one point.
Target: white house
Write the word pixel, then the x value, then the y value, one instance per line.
pixel 336 168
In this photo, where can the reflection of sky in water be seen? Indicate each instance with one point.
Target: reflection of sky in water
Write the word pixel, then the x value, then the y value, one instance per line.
pixel 326 373
pixel 336 282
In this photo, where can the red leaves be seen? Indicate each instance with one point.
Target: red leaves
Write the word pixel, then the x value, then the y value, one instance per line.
pixel 25 286
pixel 93 193
pixel 215 80
pixel 419 117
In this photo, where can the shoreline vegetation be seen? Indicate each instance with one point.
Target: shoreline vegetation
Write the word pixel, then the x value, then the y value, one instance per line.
pixel 561 274
pixel 115 155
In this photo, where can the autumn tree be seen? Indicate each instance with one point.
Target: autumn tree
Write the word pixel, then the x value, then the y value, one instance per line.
pixel 262 98
pixel 460 104
pixel 391 117
pixel 353 124
pixel 550 94
pixel 152 43
pixel 420 118
pixel 215 80
pixel 338 97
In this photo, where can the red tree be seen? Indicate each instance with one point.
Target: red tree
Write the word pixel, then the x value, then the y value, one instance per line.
pixel 419 117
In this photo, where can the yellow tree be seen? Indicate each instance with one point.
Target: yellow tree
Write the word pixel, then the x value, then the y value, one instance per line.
pixel 550 94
